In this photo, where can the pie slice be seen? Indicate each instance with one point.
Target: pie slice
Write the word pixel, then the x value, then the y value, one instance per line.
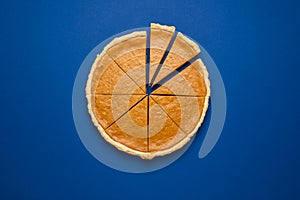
pixel 192 81
pixel 179 109
pixel 160 38
pixel 182 50
pixel 129 52
pixel 164 134
pixel 106 77
pixel 105 109
pixel 129 133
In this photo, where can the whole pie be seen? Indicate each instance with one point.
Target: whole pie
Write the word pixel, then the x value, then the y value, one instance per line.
pixel 148 91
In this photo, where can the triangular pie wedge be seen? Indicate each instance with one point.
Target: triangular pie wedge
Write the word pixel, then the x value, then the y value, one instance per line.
pixel 106 77
pixel 129 52
pixel 129 133
pixel 164 134
pixel 106 109
pixel 160 38
pixel 192 81
pixel 187 112
pixel 182 50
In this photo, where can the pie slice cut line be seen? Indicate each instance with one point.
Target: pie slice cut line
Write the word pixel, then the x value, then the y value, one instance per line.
pixel 164 135
pixel 129 52
pixel 187 112
pixel 105 110
pixel 193 79
pixel 182 50
pixel 129 133
pixel 105 75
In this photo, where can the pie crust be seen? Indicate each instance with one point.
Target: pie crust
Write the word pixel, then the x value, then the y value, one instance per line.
pixel 127 55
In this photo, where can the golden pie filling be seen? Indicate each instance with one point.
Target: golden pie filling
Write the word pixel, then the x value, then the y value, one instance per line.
pixel 148 109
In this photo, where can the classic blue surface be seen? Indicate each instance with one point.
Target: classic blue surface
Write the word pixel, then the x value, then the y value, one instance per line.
pixel 255 45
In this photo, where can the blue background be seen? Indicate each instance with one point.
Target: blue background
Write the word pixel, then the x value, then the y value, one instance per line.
pixel 255 45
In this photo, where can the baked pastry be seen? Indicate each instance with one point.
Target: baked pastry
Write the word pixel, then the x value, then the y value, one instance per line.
pixel 149 108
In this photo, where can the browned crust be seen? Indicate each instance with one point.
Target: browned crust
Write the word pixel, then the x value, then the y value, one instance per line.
pixel 162 27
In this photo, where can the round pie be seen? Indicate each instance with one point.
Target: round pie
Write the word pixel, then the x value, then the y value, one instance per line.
pixel 148 91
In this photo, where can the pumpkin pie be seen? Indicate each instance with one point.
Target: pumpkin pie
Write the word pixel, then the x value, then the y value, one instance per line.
pixel 148 102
